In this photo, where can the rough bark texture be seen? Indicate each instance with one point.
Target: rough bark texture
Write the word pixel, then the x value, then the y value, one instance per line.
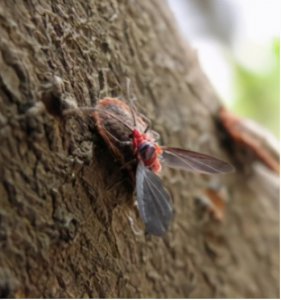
pixel 63 231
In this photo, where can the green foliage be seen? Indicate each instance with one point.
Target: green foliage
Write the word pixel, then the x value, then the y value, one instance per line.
pixel 258 94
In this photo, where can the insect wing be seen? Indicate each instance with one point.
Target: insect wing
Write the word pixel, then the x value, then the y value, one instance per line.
pixel 153 201
pixel 193 161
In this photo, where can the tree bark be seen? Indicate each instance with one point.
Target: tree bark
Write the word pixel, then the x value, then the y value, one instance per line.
pixel 66 228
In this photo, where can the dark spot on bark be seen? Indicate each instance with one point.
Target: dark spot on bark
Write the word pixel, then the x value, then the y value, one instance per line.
pixel 24 107
pixel 11 191
pixel 69 232
pixel 66 223
pixel 8 284
pixel 53 104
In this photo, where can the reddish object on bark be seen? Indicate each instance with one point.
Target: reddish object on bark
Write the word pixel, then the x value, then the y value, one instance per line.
pixel 250 137
pixel 127 134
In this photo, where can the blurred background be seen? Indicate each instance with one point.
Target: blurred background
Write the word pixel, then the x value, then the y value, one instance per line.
pixel 238 43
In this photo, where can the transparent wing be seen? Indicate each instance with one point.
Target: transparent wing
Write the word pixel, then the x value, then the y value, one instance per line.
pixel 194 161
pixel 153 201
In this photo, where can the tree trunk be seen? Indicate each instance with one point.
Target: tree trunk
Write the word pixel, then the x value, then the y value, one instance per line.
pixel 67 228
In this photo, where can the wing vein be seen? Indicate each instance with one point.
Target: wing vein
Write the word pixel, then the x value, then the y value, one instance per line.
pixel 185 160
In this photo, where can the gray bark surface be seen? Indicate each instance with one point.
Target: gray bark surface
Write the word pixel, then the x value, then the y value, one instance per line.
pixel 63 231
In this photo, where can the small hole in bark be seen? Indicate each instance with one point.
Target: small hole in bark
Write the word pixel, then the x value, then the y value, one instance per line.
pixel 53 104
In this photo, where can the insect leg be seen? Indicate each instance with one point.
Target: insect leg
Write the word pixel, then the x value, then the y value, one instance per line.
pixel 86 109
pixel 117 140
pixel 128 163
pixel 147 128
pixel 157 136
pixel 133 110
pixel 116 183
pixel 75 111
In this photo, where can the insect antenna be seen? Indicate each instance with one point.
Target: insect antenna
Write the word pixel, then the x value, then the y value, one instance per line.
pixel 128 87
pixel 93 109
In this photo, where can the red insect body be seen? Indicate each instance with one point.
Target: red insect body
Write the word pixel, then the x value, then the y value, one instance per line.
pixel 127 135
pixel 140 140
